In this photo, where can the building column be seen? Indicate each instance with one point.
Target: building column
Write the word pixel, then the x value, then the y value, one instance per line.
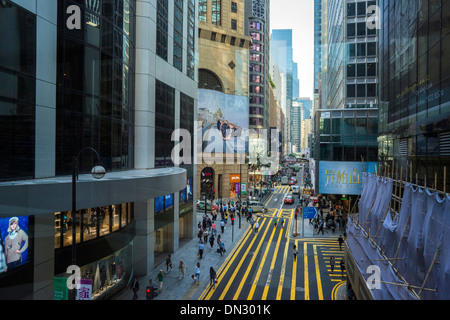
pixel 44 256
pixel 144 243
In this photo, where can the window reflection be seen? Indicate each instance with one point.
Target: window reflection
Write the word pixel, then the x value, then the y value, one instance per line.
pixel 90 223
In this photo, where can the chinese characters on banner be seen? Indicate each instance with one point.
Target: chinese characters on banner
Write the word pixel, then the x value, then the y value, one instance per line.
pixel 343 177
pixel 85 290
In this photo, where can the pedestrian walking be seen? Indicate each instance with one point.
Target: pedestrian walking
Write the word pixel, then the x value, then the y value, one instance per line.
pixel 182 269
pixel 332 263
pixel 211 241
pixel 341 241
pixel 196 275
pixel 222 225
pixel 200 234
pixel 321 226
pixel 205 236
pixel 256 226
pixel 160 278
pixel 221 247
pixel 342 266
pixel 212 277
pixel 135 287
pixel 275 222
pixel 168 263
pixel 201 248
pixel 295 251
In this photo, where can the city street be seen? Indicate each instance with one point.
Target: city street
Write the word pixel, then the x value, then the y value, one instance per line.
pixel 263 267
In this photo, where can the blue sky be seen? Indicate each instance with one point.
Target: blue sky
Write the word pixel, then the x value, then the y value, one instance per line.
pixel 298 15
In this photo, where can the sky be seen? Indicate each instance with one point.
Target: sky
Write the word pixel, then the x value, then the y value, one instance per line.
pixel 298 15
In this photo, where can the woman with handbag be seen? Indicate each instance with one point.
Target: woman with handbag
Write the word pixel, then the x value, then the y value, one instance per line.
pixel 212 277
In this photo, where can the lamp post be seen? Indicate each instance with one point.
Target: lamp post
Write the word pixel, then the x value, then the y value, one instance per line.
pixel 98 172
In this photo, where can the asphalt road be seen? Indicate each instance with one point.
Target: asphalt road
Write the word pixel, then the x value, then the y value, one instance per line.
pixel 262 266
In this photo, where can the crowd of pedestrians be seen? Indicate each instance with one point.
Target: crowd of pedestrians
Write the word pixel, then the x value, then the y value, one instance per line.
pixel 208 232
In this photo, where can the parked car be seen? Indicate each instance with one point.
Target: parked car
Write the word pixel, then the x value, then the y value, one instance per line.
pixel 289 199
pixel 201 205
pixel 255 205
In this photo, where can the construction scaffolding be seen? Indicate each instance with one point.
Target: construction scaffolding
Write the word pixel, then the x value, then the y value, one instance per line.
pixel 404 230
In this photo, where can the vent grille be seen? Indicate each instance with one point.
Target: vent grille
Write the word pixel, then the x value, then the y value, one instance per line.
pixel 444 144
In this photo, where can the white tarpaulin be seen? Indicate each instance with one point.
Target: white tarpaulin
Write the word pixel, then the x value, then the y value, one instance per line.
pixel 416 241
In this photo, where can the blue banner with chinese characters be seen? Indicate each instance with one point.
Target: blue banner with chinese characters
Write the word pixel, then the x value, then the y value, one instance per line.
pixel 340 177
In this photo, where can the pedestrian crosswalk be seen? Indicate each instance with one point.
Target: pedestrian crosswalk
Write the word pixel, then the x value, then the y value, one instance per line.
pixel 283 189
pixel 263 267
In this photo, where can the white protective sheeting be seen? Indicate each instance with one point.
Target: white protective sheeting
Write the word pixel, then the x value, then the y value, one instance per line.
pixel 415 239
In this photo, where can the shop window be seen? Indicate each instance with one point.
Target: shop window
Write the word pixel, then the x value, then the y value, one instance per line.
pixel 109 272
pixel 90 223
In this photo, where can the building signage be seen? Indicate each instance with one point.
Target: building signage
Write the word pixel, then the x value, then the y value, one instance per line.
pixel 235 178
pixel 309 212
pixel 85 290
pixel 339 177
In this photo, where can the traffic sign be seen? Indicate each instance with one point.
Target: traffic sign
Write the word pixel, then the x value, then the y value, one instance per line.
pixel 309 212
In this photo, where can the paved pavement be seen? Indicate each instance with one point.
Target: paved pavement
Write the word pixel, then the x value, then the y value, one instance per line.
pixel 185 288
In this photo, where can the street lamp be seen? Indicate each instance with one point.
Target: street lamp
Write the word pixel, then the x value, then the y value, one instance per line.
pixel 98 172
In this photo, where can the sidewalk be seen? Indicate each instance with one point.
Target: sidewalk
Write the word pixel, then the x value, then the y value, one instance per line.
pixel 185 289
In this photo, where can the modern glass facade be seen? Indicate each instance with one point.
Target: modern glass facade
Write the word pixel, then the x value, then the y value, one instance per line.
pixel 95 92
pixel 17 91
pixel 361 56
pixel 415 87
pixel 347 135
pixel 258 26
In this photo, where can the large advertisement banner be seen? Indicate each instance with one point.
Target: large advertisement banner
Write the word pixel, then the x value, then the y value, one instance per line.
pixel 223 116
pixel 339 177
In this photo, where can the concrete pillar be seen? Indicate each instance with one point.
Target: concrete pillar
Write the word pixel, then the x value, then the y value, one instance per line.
pixel 44 256
pixel 144 242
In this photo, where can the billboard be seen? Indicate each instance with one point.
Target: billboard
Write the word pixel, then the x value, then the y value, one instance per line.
pixel 225 117
pixel 13 243
pixel 340 177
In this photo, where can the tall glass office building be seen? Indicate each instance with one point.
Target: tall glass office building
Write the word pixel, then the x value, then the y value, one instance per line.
pixel 414 94
pixel 113 76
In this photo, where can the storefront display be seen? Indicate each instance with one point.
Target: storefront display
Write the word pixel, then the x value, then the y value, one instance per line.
pixel 109 271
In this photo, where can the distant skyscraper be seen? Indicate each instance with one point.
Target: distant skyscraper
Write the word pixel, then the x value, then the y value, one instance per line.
pixel 258 28
pixel 282 56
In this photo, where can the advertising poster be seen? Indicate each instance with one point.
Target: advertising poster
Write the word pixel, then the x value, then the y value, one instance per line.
pixel 225 116
pixel 339 177
pixel 13 243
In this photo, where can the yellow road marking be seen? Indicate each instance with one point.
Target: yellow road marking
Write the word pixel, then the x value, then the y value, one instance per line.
pixel 305 259
pixel 272 265
pixel 319 282
pixel 244 278
pixel 261 265
pixel 233 256
pixel 227 287
pixel 283 270
pixel 294 274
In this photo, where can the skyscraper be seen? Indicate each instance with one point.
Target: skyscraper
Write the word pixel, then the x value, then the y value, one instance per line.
pixel 414 130
pixel 257 26
pixel 116 83
pixel 282 55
